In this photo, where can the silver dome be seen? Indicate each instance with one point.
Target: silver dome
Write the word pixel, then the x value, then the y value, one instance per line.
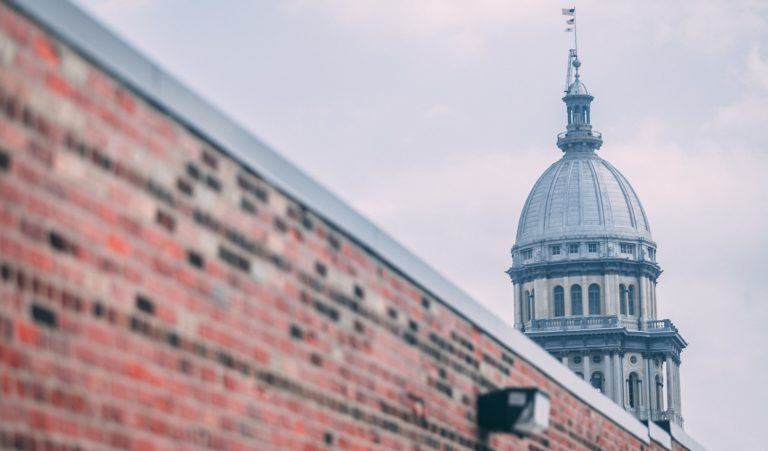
pixel 577 88
pixel 581 195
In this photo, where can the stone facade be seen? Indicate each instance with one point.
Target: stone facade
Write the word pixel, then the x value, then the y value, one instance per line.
pixel 585 273
pixel 158 293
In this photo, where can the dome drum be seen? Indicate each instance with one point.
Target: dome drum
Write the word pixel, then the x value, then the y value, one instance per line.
pixel 617 266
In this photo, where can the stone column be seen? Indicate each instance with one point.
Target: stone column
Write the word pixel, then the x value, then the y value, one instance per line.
pixel 642 300
pixel 610 385
pixel 619 375
pixel 679 406
pixel 542 299
pixel 671 397
pixel 518 305
pixel 616 376
pixel 565 360
pixel 610 304
pixel 650 385
pixel 587 372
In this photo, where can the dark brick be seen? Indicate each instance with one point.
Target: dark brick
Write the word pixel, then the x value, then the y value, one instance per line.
pixel 234 260
pixel 193 171
pixel 5 161
pixel 210 160
pixel 296 332
pixel 58 242
pixel 165 220
pixel 320 269
pixel 43 315
pixel 248 206
pixel 195 259
pixel 213 183
pixel 184 186
pixel 172 338
pixel 144 304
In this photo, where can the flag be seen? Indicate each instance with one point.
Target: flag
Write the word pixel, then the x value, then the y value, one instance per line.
pixel 569 29
pixel 569 11
pixel 570 21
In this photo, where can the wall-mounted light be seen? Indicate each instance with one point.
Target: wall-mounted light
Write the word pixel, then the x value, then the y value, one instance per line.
pixel 521 411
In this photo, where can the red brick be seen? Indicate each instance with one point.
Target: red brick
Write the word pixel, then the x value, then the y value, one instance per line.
pixel 59 85
pixel 46 50
pixel 27 333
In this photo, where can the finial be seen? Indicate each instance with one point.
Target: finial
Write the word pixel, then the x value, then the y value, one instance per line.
pixel 577 65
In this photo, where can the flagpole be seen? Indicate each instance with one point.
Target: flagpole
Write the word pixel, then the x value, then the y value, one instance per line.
pixel 575 33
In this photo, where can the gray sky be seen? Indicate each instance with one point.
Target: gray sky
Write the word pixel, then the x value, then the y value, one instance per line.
pixel 434 118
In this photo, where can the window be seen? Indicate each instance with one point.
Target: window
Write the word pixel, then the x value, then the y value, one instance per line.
pixel 524 305
pixel 527 254
pixel 633 390
pixel 573 248
pixel 594 299
pixel 659 393
pixel 577 360
pixel 555 250
pixel 652 254
pixel 532 305
pixel 580 374
pixel 631 299
pixel 559 301
pixel 596 359
pixel 622 299
pixel 597 380
pixel 592 248
pixel 627 248
pixel 576 304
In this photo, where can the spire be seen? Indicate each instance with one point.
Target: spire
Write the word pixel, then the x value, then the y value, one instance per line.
pixel 578 136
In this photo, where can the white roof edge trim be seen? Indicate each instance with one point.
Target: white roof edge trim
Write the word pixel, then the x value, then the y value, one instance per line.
pixel 659 435
pixel 107 50
pixel 684 439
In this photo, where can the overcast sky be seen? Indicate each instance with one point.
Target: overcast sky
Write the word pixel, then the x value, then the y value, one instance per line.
pixel 434 118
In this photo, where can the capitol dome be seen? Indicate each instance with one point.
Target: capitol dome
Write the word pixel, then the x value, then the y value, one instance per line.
pixel 582 195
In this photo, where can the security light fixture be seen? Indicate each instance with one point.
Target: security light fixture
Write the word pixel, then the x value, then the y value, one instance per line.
pixel 520 411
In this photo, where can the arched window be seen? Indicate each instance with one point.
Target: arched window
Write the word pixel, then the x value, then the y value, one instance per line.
pixel 622 299
pixel 633 390
pixel 597 380
pixel 532 305
pixel 559 301
pixel 526 306
pixel 576 304
pixel 594 299
pixel 659 393
pixel 631 299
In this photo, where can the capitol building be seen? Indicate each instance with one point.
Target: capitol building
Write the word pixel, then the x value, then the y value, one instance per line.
pixel 585 273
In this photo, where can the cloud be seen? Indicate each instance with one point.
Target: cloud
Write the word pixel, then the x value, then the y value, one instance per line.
pixel 746 119
pixel 460 27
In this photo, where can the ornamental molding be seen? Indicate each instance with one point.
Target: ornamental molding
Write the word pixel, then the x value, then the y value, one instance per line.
pixel 597 267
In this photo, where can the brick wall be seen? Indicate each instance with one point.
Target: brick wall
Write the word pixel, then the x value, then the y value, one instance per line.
pixel 156 294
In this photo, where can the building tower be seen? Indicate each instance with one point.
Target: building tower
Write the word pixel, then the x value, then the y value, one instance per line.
pixel 584 271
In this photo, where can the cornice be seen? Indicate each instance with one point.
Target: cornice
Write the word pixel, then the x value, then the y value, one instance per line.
pixel 620 266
